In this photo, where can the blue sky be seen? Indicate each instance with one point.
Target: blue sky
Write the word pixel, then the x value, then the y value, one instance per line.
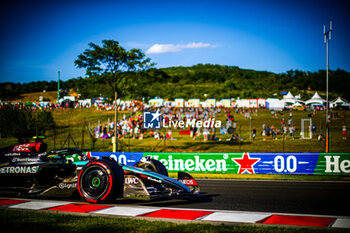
pixel 40 38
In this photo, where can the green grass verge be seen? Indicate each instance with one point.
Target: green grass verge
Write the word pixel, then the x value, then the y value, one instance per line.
pixel 33 221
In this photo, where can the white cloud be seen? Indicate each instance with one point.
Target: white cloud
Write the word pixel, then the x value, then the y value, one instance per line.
pixel 172 48
pixel 195 45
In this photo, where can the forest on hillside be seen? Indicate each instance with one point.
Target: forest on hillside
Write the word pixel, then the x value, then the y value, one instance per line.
pixel 198 81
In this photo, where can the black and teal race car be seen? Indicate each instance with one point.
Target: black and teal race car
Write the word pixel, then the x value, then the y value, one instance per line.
pixel 27 169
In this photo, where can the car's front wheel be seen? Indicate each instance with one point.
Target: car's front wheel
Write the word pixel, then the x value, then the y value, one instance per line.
pixel 101 181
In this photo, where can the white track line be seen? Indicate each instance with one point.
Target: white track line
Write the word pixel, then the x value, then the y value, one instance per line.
pixel 125 211
pixel 38 205
pixel 235 217
pixel 341 223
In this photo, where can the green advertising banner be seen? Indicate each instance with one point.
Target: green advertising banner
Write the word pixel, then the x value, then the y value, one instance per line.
pixel 333 163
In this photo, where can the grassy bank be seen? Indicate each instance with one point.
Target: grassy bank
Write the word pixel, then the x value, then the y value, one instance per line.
pixel 73 131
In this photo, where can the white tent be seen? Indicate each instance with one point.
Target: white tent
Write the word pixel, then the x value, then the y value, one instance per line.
pixel 340 102
pixel 156 102
pixel 297 97
pixel 242 103
pixel 315 100
pixel 289 98
pixel 274 104
pixel 226 103
pixel 298 103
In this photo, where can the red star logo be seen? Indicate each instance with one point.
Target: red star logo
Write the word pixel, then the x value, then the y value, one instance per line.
pixel 246 163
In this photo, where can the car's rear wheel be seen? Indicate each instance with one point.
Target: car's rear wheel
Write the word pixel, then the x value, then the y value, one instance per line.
pixel 101 181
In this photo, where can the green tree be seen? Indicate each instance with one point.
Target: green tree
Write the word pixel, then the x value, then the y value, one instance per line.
pixel 23 124
pixel 115 65
pixel 112 62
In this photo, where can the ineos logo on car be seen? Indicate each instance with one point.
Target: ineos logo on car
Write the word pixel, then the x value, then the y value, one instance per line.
pixel 189 182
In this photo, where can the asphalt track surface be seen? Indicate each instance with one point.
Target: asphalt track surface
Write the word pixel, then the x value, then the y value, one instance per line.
pixel 298 197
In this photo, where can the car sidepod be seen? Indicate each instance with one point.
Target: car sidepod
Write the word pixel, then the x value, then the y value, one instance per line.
pixel 143 184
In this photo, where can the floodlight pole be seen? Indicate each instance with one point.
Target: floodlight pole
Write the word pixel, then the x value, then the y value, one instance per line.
pixel 115 143
pixel 58 88
pixel 327 37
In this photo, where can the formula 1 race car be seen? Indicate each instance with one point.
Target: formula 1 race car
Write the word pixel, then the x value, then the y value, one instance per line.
pixel 27 169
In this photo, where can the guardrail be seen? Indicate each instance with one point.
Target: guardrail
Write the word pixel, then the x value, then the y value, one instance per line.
pixel 243 163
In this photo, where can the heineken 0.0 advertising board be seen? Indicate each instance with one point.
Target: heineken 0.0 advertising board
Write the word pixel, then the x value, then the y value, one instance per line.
pixel 239 163
pixel 243 163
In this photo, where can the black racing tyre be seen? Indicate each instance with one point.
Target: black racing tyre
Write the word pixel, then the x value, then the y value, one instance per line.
pixel 161 169
pixel 101 181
